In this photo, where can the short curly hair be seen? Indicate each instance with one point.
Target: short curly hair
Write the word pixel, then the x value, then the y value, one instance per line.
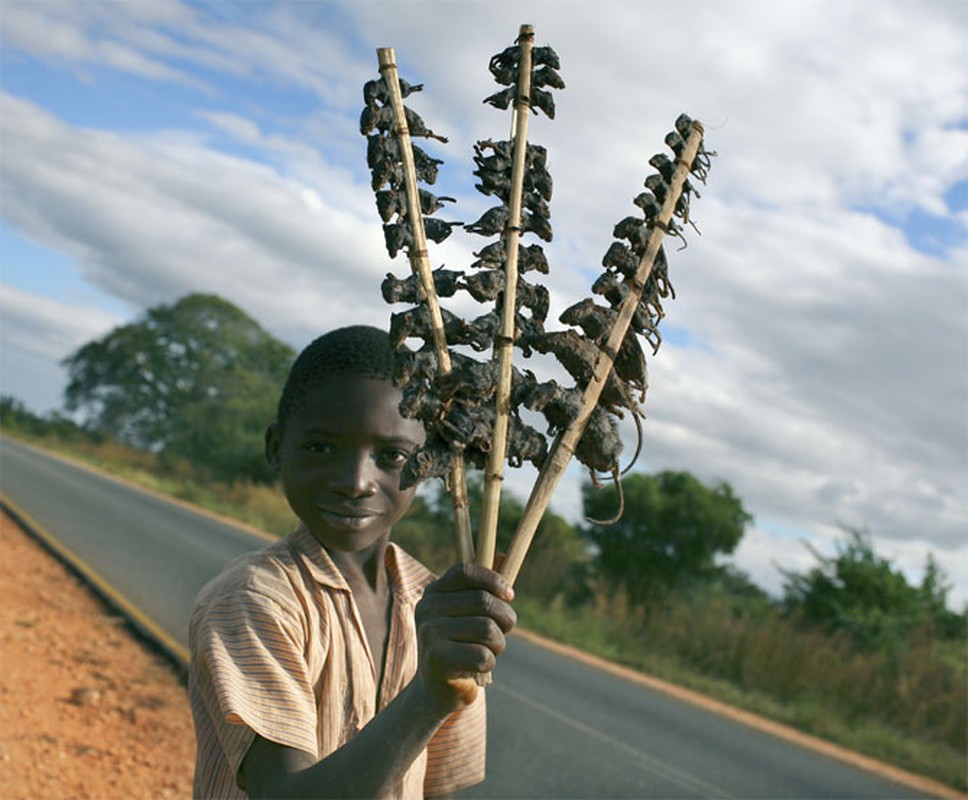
pixel 360 350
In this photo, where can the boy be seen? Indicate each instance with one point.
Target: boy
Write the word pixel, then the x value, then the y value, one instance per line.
pixel 331 664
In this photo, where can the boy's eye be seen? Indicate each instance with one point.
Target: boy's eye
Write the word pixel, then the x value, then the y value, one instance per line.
pixel 394 457
pixel 321 448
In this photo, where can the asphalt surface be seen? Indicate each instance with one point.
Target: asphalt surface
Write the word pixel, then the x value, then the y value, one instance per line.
pixel 557 728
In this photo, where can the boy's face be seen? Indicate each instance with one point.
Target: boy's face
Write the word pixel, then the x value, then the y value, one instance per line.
pixel 339 456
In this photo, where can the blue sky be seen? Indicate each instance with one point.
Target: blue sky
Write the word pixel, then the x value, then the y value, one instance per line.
pixel 816 355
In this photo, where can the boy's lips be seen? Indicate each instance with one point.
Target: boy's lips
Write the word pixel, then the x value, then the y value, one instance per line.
pixel 348 517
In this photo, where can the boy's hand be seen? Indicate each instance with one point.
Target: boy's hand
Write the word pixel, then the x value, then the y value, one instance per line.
pixel 461 623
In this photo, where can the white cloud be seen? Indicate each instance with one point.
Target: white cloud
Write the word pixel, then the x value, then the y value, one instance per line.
pixel 822 364
pixel 151 220
pixel 765 555
pixel 48 329
pixel 36 334
pixel 165 40
pixel 74 33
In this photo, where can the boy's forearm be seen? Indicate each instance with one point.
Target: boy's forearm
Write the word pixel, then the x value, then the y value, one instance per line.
pixel 372 764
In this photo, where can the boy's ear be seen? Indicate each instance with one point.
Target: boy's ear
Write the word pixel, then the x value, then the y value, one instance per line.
pixel 273 441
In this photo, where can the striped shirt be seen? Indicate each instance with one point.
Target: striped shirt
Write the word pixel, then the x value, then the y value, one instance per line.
pixel 278 649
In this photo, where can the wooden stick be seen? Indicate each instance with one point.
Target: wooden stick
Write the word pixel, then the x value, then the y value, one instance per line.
pixel 564 446
pixel 504 342
pixel 420 265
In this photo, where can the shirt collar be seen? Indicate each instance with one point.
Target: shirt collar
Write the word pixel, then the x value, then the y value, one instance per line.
pixel 407 576
pixel 321 566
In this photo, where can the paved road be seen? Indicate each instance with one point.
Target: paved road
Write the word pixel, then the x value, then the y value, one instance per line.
pixel 558 728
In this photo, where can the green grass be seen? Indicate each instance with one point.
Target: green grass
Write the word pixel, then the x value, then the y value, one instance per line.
pixel 907 707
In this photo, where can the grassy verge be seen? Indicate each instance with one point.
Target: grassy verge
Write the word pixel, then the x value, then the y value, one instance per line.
pixel 812 706
pixel 906 708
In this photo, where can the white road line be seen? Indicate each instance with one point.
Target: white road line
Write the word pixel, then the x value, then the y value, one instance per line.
pixel 651 764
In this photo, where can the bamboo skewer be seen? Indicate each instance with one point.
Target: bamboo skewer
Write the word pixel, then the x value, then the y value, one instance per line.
pixel 626 300
pixel 420 265
pixel 504 342
pixel 564 446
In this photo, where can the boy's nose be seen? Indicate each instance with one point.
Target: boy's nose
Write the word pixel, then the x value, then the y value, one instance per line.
pixel 356 476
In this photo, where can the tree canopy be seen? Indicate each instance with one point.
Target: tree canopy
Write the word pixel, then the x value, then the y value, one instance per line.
pixel 197 379
pixel 862 594
pixel 556 560
pixel 670 533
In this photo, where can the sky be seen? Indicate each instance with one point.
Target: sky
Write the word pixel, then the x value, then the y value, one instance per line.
pixel 816 354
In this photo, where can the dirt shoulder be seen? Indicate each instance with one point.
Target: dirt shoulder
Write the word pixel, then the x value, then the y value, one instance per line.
pixel 87 710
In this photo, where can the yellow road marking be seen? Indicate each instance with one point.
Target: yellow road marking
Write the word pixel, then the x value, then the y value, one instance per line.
pixel 100 584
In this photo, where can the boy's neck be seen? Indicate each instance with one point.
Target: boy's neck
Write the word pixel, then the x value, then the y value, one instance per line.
pixel 363 570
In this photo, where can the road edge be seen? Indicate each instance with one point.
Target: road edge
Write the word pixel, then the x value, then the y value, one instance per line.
pixel 80 463
pixel 911 780
pixel 180 656
pixel 144 625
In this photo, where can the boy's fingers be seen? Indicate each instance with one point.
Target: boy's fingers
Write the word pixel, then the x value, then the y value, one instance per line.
pixel 462 658
pixel 478 631
pixel 467 603
pixel 472 576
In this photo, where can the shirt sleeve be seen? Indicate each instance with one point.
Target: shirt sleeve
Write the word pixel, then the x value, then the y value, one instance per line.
pixel 456 755
pixel 249 667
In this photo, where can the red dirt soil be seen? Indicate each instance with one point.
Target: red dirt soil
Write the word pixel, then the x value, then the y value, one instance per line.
pixel 87 709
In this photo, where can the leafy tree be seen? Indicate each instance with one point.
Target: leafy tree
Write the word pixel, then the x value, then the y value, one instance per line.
pixel 862 594
pixel 556 560
pixel 16 417
pixel 198 379
pixel 427 531
pixel 670 533
pixel 226 434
